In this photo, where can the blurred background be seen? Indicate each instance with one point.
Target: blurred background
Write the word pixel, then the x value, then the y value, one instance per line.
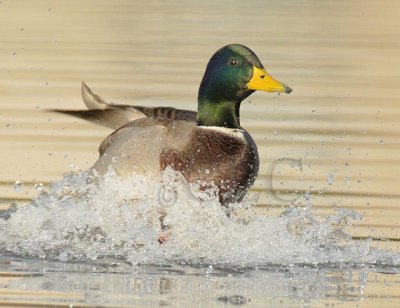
pixel 341 122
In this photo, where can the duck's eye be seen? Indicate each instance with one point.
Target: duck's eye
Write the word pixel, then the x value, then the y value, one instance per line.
pixel 233 62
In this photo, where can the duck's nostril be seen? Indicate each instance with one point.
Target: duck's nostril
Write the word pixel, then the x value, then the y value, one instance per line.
pixel 262 76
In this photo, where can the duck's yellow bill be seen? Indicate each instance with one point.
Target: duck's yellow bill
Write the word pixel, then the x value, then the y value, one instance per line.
pixel 263 82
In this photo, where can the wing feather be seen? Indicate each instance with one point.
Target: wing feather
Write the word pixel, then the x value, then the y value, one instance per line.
pixel 114 116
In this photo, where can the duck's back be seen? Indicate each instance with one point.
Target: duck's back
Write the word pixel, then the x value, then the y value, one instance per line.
pixel 137 147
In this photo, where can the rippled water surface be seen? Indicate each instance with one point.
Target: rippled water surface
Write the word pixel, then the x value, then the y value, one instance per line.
pixel 321 225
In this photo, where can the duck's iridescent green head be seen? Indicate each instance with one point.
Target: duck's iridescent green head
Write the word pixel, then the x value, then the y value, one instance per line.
pixel 232 74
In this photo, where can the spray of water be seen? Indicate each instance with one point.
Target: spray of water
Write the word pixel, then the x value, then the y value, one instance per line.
pixel 82 220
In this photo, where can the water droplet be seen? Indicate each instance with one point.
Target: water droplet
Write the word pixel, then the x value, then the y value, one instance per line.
pixel 381 141
pixel 38 186
pixel 307 196
pixel 18 185
pixel 330 179
pixel 207 171
pixel 346 179
pixel 276 132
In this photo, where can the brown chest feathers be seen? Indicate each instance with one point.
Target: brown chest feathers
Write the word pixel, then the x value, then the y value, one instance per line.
pixel 230 161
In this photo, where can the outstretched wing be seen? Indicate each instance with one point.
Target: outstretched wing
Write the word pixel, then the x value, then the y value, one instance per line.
pixel 117 115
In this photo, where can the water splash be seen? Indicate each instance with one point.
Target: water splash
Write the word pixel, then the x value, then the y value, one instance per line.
pixel 330 179
pixel 18 186
pixel 114 218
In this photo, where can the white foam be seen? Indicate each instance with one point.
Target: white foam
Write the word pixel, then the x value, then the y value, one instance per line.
pixel 120 219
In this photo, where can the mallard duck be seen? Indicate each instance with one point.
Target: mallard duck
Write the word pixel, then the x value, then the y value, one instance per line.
pixel 209 146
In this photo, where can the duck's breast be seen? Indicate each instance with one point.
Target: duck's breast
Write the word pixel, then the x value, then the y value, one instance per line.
pixel 226 157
